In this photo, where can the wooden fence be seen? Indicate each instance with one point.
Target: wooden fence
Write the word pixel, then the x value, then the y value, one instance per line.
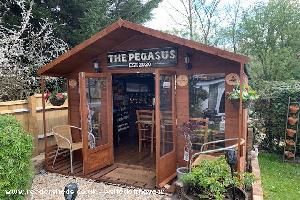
pixel 30 114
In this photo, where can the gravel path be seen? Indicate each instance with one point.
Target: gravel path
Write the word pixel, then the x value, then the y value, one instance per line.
pixel 50 186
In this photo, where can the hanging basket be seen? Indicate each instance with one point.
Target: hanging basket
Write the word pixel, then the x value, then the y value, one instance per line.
pixel 57 102
pixel 236 103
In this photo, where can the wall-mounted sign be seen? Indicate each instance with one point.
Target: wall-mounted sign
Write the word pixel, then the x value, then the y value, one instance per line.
pixel 232 79
pixel 182 80
pixel 156 57
pixel 72 83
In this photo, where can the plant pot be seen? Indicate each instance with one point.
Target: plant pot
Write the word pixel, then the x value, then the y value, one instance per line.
pixel 294 108
pixel 181 171
pixel 290 142
pixel 57 102
pixel 292 121
pixel 289 154
pixel 240 194
pixel 236 103
pixel 290 132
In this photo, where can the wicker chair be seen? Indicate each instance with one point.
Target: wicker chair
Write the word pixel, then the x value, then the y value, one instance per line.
pixel 63 139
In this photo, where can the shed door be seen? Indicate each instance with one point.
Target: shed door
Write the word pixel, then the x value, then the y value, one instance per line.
pixel 165 127
pixel 96 120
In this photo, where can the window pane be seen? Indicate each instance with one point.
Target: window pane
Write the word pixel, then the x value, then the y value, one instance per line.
pixel 166 122
pixel 97 111
pixel 207 100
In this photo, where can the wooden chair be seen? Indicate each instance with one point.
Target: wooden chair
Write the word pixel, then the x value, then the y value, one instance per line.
pixel 145 123
pixel 203 135
pixel 63 139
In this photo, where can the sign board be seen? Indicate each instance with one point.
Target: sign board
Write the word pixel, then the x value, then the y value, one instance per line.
pixel 166 85
pixel 186 155
pixel 232 79
pixel 155 57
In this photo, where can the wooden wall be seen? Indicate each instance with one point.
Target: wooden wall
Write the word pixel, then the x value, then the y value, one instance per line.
pixel 202 62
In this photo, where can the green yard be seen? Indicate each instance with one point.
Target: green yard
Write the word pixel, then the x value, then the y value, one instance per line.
pixel 280 180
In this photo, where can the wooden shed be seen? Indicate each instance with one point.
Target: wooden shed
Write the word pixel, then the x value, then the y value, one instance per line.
pixel 127 68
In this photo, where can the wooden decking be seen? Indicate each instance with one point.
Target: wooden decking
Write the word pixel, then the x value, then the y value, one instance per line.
pixel 130 168
pixel 129 154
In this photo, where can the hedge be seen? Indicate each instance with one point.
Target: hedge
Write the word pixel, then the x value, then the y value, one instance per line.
pixel 270 111
pixel 15 158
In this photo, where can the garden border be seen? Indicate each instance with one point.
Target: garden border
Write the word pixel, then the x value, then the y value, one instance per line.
pixel 257 191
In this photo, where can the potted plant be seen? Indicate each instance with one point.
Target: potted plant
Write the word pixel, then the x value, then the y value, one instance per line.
pixel 186 131
pixel 191 131
pixel 55 98
pixel 212 180
pixel 294 108
pixel 248 95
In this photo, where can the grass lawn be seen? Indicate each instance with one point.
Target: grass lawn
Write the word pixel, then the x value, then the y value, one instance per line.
pixel 279 180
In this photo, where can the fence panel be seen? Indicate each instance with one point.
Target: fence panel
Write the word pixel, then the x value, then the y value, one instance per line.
pixel 30 113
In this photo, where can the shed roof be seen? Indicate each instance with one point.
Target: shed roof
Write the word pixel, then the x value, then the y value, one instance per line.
pixel 115 34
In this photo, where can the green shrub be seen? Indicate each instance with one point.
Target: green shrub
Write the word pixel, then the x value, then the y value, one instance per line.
pixel 15 157
pixel 270 111
pixel 212 178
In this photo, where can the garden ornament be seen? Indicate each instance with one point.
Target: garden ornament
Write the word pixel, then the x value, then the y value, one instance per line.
pixel 254 152
pixel 70 192
pixel 231 159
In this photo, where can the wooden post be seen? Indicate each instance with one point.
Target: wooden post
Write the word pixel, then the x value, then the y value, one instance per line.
pixel 32 123
pixel 44 120
pixel 240 119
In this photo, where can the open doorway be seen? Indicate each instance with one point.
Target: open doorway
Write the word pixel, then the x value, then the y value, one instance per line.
pixel 132 93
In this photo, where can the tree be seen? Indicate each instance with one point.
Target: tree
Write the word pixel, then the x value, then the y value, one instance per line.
pixel 76 20
pixel 229 33
pixel 200 20
pixel 23 49
pixel 270 33
pixel 207 13
pixel 99 13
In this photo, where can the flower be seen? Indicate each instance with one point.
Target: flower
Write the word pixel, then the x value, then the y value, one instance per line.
pixel 59 96
pixel 248 93
pixel 47 95
pixel 54 95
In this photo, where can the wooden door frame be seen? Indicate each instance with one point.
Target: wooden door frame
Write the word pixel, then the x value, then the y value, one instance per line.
pixel 158 72
pixel 83 112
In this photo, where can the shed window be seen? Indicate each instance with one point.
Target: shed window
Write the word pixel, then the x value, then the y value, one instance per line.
pixel 207 99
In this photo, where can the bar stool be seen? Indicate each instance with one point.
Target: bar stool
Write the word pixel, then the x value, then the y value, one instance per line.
pixel 145 123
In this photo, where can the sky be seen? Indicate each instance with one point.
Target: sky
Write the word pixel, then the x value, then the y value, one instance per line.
pixel 162 19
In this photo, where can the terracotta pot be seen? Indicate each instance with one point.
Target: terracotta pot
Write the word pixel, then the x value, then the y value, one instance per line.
pixel 294 108
pixel 292 120
pixel 290 132
pixel 290 142
pixel 57 102
pixel 289 154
